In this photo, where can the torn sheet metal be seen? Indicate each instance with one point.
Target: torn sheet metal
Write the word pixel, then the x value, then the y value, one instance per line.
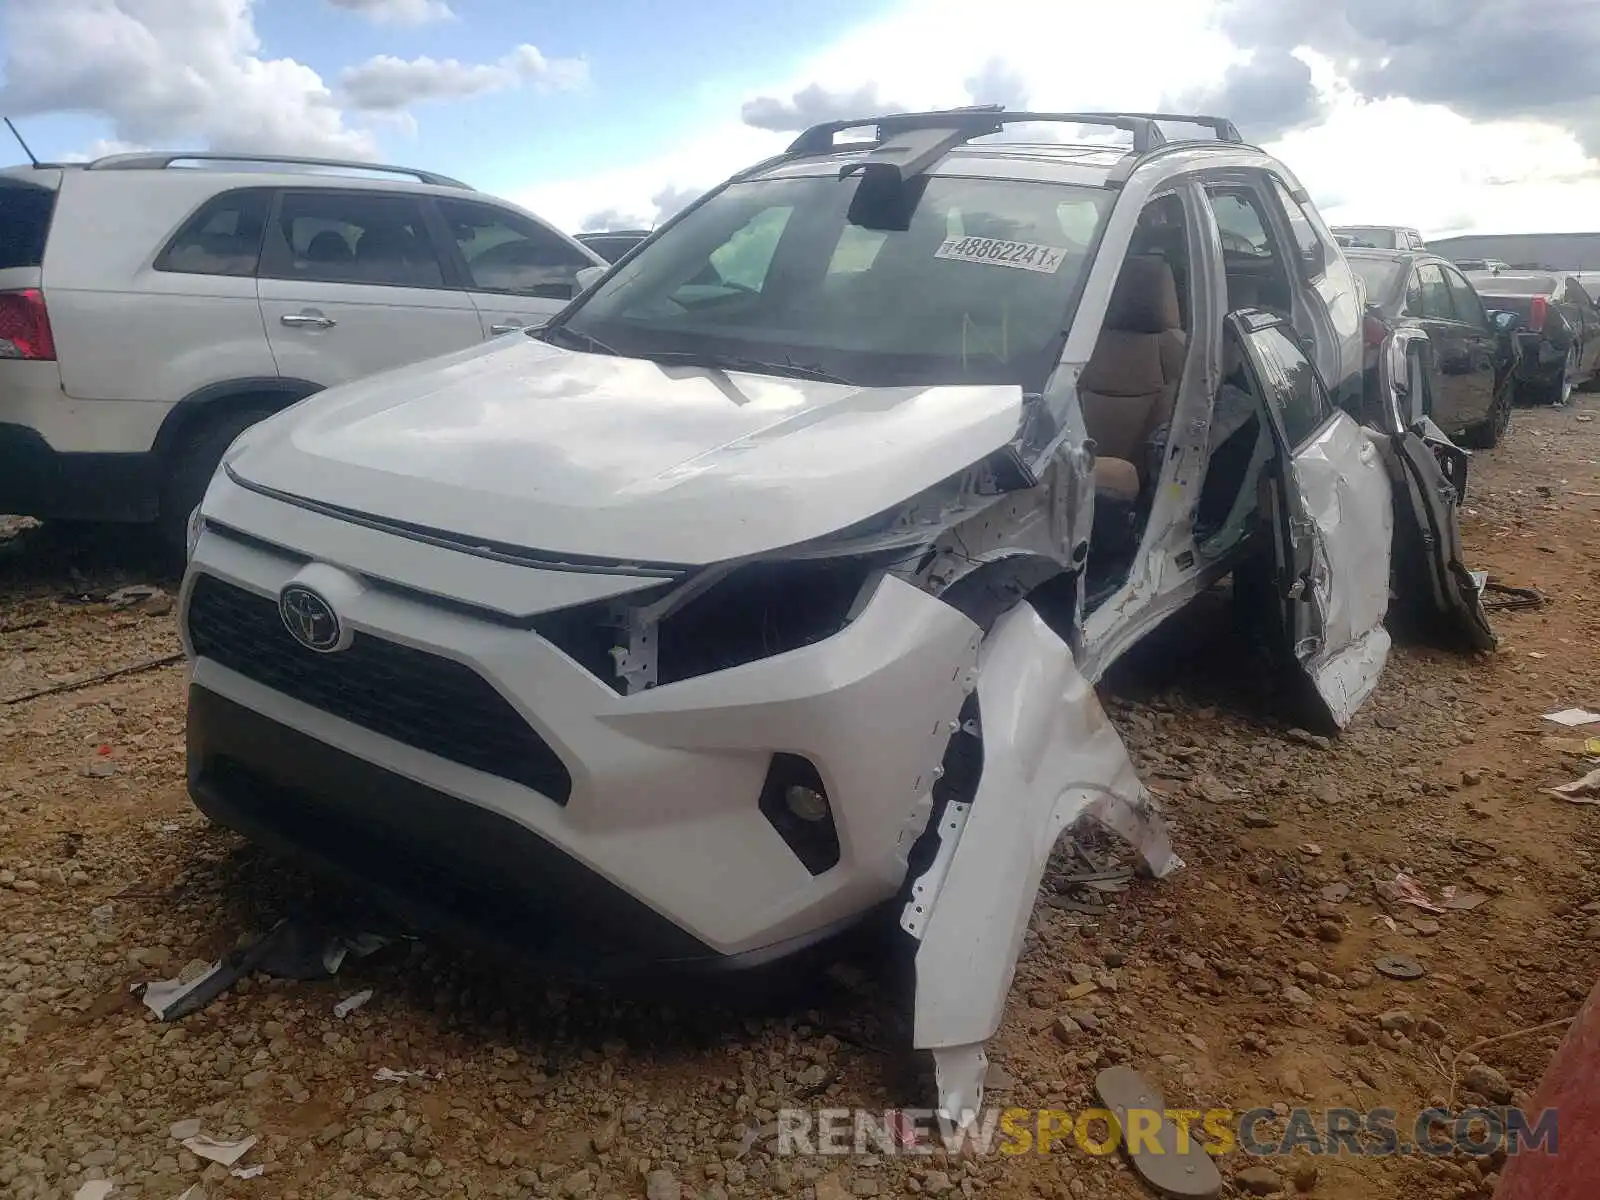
pixel 1347 498
pixel 1050 759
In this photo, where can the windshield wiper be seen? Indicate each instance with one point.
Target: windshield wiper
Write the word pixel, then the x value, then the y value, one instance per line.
pixel 735 362
pixel 586 341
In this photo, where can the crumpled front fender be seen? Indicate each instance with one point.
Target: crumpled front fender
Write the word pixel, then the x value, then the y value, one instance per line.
pixel 1051 758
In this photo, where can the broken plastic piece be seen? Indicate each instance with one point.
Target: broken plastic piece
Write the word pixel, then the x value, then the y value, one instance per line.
pixel 1573 717
pixel 248 1172
pixel 1050 759
pixel 217 1150
pixel 352 1002
pixel 1178 1165
pixel 1579 791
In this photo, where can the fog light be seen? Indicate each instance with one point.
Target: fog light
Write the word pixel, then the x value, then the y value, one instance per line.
pixel 806 803
pixel 794 800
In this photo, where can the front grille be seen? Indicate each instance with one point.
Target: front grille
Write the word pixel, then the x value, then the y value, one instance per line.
pixel 432 703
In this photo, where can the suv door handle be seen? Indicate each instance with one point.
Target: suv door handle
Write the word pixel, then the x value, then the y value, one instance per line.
pixel 307 320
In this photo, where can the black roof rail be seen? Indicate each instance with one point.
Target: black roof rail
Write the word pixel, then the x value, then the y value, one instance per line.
pixel 157 160
pixel 977 121
pixel 1224 129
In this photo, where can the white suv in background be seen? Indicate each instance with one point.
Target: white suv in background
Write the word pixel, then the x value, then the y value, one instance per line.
pixel 153 305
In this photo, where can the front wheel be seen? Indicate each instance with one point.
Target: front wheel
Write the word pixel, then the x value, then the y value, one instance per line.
pixel 188 471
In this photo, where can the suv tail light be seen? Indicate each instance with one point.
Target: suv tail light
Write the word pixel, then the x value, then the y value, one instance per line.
pixel 1537 312
pixel 25 326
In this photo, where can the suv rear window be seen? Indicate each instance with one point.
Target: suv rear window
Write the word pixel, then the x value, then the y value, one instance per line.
pixel 25 212
pixel 222 238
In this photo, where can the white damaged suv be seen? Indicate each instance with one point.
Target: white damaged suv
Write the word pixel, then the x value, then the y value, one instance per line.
pixel 765 589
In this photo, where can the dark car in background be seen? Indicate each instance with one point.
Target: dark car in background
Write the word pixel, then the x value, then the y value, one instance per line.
pixel 1469 375
pixel 612 244
pixel 1378 237
pixel 1559 334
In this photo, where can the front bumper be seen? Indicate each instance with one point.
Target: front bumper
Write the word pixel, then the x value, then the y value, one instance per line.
pixel 659 851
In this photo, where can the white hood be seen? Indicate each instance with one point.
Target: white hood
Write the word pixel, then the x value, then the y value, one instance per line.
pixel 523 443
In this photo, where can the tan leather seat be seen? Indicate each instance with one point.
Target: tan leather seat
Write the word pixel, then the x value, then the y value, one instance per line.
pixel 1130 384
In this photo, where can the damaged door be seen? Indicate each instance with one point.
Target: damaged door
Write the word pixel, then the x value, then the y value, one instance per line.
pixel 1435 596
pixel 1328 500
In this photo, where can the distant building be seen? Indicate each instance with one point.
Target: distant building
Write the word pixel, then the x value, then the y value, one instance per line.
pixel 1552 251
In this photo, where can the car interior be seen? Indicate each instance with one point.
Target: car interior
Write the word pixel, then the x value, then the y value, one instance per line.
pixel 1129 388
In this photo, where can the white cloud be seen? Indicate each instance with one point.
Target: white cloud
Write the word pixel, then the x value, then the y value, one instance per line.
pixel 387 84
pixel 1423 165
pixel 398 12
pixel 169 71
pixel 1391 160
pixel 910 55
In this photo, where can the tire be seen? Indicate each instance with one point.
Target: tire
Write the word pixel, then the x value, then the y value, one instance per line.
pixel 1486 434
pixel 1557 390
pixel 188 470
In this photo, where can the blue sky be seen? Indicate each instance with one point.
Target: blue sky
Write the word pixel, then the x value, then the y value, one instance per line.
pixel 654 69
pixel 616 113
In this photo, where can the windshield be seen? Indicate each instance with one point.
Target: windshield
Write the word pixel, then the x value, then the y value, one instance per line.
pixel 1381 275
pixel 1375 236
pixel 978 287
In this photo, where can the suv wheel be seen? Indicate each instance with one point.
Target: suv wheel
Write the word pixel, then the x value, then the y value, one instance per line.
pixel 189 468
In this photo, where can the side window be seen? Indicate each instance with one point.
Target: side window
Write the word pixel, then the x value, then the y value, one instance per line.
pixel 1308 242
pixel 1464 298
pixel 506 252
pixel 1435 294
pixel 353 237
pixel 223 237
pixel 742 261
pixel 1244 232
pixel 1293 387
pixel 1413 296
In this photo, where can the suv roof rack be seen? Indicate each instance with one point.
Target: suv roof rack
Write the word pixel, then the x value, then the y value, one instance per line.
pixel 158 160
pixel 895 143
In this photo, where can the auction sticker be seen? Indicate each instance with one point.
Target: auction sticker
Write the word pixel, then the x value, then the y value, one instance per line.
pixel 1028 256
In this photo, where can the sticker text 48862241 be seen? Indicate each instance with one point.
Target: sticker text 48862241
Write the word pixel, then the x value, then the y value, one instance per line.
pixel 1028 256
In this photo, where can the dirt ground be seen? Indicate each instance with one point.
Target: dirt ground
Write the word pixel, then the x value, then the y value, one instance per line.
pixel 1247 980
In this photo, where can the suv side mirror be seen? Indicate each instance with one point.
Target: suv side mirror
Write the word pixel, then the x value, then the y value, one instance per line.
pixel 586 277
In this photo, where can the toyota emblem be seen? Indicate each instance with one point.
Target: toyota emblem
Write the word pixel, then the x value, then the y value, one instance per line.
pixel 309 618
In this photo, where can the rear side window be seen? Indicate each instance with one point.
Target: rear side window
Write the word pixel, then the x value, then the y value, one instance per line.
pixel 222 238
pixel 1307 241
pixel 1435 294
pixel 25 212
pixel 1469 308
pixel 506 252
pixel 1243 232
pixel 352 237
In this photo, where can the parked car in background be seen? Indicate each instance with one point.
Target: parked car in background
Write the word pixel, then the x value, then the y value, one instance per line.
pixel 762 591
pixel 1379 237
pixel 1481 264
pixel 1468 369
pixel 1560 332
pixel 612 244
pixel 153 305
